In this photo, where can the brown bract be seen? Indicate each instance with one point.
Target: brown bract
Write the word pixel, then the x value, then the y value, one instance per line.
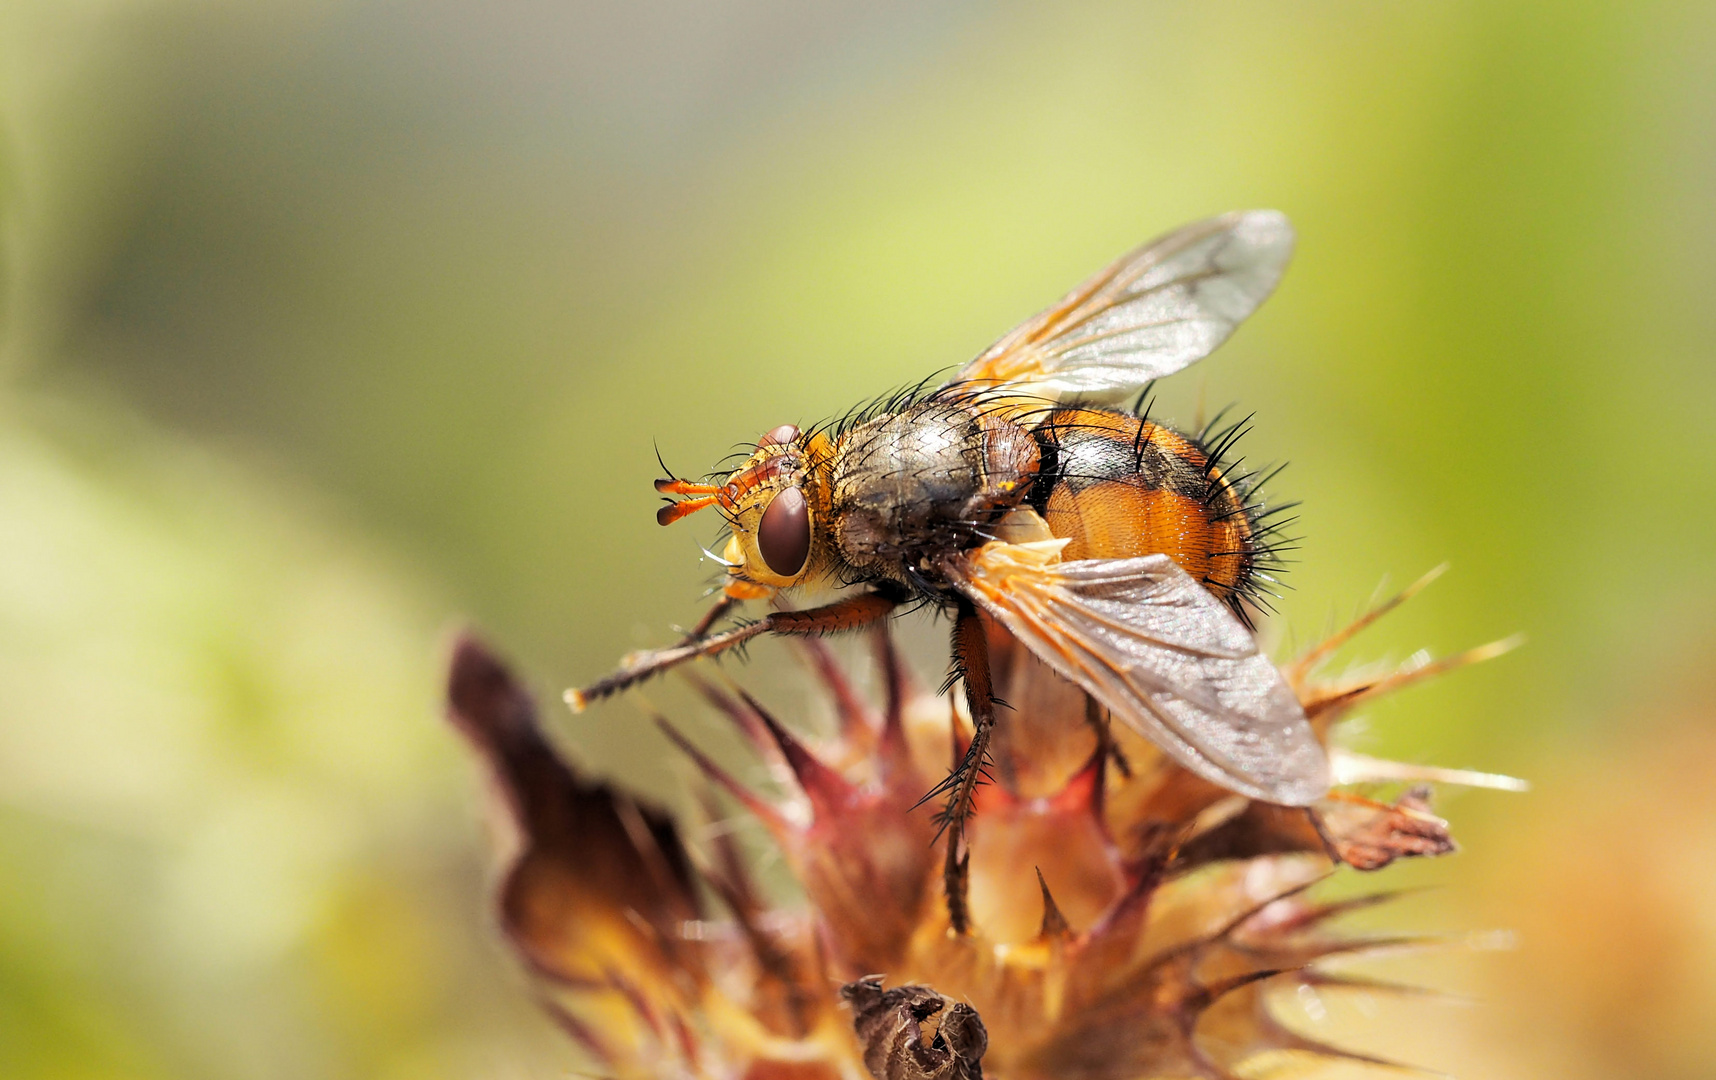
pixel 1126 919
pixel 600 890
pixel 890 1027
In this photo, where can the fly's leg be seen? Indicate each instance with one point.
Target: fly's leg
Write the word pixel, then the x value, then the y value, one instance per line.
pixel 1099 722
pixel 636 667
pixel 845 614
pixel 714 615
pixel 1331 847
pixel 971 659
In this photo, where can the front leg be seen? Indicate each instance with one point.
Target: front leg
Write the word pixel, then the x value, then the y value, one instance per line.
pixel 845 614
pixel 716 612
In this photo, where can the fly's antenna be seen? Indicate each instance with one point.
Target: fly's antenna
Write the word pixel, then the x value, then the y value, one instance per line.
pixel 702 494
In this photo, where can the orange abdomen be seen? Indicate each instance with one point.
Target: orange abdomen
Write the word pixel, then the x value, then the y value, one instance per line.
pixel 1118 486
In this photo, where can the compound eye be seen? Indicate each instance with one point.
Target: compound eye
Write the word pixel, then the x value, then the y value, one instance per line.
pixel 779 436
pixel 783 536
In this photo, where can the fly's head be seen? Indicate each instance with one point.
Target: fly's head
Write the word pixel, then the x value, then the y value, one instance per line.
pixel 776 505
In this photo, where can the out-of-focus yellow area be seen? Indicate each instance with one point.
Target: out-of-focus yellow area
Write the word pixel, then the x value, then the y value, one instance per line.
pixel 329 324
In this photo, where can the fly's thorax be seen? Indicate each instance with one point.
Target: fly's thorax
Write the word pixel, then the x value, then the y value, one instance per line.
pixel 911 486
pixel 777 507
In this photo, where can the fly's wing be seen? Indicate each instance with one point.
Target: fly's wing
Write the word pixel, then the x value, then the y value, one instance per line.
pixel 1163 654
pixel 1159 309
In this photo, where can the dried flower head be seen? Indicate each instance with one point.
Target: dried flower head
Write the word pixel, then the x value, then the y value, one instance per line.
pixel 1125 918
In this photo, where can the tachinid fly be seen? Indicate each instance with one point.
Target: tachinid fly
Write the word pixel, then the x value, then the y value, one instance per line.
pixel 1113 548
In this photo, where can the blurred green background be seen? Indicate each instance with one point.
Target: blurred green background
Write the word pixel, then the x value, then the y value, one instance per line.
pixel 329 325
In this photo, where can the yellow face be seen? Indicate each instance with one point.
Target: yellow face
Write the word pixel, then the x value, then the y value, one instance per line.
pixel 775 504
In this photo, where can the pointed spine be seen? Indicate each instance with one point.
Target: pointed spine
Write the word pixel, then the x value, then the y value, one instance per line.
pixel 896 754
pixel 763 810
pixel 826 789
pixel 854 716
pixel 1055 925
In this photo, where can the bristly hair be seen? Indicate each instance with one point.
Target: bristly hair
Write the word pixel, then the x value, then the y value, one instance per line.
pixel 1271 542
pixel 885 404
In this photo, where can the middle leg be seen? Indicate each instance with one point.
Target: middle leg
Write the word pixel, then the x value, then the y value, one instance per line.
pixel 971 662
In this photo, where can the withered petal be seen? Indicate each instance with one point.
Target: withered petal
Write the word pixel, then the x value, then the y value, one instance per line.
pixel 601 880
pixel 1369 836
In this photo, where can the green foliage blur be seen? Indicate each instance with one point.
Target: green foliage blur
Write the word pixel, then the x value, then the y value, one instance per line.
pixel 330 325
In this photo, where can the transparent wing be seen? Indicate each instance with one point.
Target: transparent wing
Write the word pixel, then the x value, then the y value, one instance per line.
pixel 1159 309
pixel 1163 654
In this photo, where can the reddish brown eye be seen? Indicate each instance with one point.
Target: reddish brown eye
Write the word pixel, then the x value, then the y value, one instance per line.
pixel 779 436
pixel 783 536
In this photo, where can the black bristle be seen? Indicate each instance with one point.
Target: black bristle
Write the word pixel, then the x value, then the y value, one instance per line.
pixel 1257 587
